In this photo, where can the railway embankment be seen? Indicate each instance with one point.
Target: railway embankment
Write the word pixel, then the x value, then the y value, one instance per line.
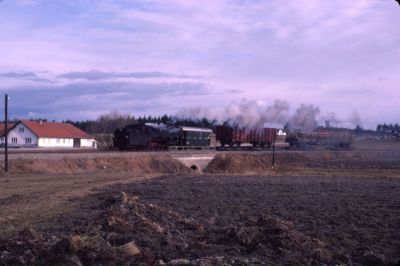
pixel 243 163
pixel 134 165
pixel 300 161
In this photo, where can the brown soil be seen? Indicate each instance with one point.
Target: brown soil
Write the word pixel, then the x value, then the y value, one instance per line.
pixel 35 190
pixel 315 207
pixel 216 220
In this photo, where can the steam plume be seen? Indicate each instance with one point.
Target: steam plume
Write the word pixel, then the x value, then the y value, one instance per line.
pixel 247 113
pixel 305 118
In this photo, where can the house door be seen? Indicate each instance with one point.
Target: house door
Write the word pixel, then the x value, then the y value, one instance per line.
pixel 77 143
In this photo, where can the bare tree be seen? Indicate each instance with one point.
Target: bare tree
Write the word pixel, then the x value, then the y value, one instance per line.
pixel 107 123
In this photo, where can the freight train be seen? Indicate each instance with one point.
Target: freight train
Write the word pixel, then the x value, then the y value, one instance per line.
pixel 151 136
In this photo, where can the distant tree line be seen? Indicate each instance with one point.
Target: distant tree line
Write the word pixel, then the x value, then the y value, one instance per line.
pixel 110 121
pixel 388 128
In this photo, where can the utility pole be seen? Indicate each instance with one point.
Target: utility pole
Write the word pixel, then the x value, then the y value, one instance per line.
pixel 6 133
pixel 273 152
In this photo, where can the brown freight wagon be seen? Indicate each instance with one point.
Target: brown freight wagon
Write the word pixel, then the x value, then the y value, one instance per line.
pixel 235 136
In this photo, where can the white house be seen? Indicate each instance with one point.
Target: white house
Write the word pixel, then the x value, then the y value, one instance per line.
pixel 42 134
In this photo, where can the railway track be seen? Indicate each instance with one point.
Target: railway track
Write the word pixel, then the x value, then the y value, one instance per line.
pixel 186 150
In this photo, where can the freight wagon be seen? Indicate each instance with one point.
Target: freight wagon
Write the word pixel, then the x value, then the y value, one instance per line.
pixel 245 137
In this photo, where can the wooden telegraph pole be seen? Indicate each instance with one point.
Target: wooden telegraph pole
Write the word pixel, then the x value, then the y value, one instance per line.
pixel 6 133
pixel 273 152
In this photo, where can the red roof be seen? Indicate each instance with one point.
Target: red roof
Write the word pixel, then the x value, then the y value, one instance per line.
pixel 55 130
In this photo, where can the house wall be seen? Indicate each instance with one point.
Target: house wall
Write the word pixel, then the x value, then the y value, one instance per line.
pixel 21 134
pixel 88 143
pixel 65 143
pixel 55 143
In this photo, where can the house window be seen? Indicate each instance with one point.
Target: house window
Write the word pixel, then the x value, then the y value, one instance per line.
pixel 21 129
pixel 14 140
pixel 28 140
pixel 63 140
pixel 57 140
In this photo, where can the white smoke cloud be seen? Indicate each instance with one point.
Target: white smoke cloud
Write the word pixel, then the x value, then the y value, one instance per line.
pixel 305 118
pixel 247 113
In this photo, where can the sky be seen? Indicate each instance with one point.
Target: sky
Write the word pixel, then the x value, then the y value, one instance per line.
pixel 78 59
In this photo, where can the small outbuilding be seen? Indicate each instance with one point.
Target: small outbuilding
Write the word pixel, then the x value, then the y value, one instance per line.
pixel 41 134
